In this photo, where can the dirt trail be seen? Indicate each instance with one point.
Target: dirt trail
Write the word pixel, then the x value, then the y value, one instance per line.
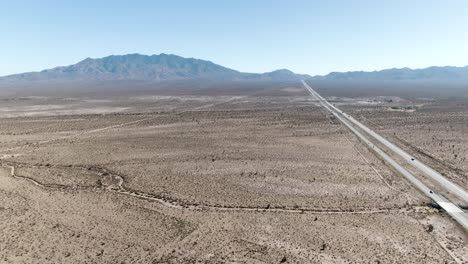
pixel 115 126
pixel 116 184
pixel 81 133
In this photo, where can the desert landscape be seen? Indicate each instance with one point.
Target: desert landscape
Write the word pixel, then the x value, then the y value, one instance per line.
pixel 233 132
pixel 250 177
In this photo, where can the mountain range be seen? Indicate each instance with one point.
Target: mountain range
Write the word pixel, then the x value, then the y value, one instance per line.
pixel 431 73
pixel 139 67
pixel 167 67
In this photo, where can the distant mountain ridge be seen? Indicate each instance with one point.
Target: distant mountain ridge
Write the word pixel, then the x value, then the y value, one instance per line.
pixel 164 67
pixel 148 68
pixel 430 73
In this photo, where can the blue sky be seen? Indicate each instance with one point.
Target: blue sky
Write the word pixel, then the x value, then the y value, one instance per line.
pixel 313 37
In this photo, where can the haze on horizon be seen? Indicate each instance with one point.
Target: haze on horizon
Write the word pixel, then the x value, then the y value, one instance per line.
pixel 307 37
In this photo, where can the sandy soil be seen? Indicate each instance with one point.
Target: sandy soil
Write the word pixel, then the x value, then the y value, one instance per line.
pixel 211 179
pixel 436 133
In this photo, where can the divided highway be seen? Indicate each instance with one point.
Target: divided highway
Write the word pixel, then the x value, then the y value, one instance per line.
pixel 429 172
pixel 445 204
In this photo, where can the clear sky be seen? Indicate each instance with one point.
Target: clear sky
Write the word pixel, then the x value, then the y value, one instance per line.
pixel 306 36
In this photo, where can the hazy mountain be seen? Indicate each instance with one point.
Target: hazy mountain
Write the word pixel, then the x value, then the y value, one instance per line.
pixel 431 73
pixel 147 68
pixel 282 74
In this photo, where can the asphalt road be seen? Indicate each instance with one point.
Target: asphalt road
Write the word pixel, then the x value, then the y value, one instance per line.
pixel 429 172
pixel 452 209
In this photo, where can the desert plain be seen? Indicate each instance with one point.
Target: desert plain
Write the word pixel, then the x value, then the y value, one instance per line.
pixel 256 176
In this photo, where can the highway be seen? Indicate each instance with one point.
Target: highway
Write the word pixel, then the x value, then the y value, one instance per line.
pixel 429 172
pixel 453 210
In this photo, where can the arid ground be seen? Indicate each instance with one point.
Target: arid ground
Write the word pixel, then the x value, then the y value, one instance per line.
pixel 259 177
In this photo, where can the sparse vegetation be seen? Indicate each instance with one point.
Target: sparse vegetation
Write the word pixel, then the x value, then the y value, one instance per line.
pixel 218 179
